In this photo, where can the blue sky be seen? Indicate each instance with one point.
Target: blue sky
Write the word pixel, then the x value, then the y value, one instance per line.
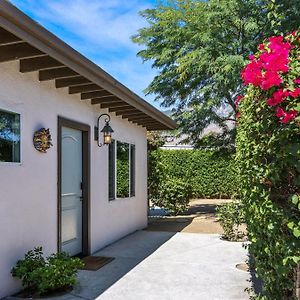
pixel 100 30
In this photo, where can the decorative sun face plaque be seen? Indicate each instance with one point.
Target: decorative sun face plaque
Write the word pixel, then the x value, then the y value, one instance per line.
pixel 42 140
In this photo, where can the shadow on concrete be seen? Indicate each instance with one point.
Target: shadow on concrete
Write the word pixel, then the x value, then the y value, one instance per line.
pixel 200 209
pixel 198 218
pixel 128 253
pixel 256 283
pixel 169 224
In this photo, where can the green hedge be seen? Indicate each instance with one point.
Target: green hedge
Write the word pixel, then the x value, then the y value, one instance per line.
pixel 211 174
pixel 268 155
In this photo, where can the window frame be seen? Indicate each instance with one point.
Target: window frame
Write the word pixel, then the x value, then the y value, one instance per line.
pixel 116 170
pixel 11 163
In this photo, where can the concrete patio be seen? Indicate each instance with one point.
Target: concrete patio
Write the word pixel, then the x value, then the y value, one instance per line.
pixel 152 265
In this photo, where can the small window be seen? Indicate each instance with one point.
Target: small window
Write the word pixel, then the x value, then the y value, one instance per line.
pixel 111 171
pixel 121 174
pixel 9 137
pixel 132 170
pixel 122 170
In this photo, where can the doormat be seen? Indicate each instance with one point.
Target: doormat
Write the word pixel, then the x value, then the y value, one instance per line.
pixel 94 263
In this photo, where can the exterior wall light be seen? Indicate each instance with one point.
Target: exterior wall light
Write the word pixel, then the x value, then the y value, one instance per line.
pixel 107 131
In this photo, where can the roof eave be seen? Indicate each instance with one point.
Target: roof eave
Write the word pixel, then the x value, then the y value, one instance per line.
pixel 28 30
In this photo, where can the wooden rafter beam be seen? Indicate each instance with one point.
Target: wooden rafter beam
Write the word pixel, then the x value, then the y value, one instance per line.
pixel 122 109
pixel 95 94
pixel 147 122
pixel 145 119
pixel 7 37
pixel 129 113
pixel 71 82
pixel 91 87
pixel 133 115
pixel 114 104
pixel 18 51
pixel 107 99
pixel 56 73
pixel 38 63
pixel 154 128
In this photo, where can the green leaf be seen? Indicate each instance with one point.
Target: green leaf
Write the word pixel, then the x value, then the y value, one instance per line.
pixel 295 199
pixel 296 232
pixel 291 225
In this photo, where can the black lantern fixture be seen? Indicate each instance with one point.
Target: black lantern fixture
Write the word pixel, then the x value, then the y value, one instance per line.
pixel 107 131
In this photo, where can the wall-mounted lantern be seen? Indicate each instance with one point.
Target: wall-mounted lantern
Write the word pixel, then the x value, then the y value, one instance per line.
pixel 107 131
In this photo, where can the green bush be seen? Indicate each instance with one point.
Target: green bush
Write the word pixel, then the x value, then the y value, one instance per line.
pixel 210 173
pixel 268 153
pixel 174 195
pixel 40 275
pixel 231 216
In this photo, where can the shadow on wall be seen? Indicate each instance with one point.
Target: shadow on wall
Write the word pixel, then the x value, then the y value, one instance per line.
pixel 128 253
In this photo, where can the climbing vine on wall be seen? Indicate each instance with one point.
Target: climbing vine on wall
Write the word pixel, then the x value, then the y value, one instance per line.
pixel 268 151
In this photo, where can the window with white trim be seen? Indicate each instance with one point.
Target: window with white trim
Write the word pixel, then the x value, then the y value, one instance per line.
pixel 10 137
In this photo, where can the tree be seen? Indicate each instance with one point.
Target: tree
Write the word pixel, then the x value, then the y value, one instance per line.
pixel 199 48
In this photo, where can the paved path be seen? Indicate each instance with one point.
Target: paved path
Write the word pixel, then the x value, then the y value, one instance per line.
pixel 186 266
pixel 169 265
pixel 153 265
pixel 199 218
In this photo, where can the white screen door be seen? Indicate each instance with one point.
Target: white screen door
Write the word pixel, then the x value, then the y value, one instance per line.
pixel 71 191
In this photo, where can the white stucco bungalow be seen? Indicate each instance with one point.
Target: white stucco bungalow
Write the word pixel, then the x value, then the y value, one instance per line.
pixel 76 197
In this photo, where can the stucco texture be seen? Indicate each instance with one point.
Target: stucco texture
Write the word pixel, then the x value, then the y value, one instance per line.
pixel 28 191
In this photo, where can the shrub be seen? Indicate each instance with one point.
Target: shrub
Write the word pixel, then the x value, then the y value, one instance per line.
pixel 210 173
pixel 268 152
pixel 40 275
pixel 174 195
pixel 231 216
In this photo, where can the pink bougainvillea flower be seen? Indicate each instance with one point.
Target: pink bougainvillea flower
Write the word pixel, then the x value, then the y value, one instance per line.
pixel 251 57
pixel 295 93
pixel 286 116
pixel 238 99
pixel 278 45
pixel 238 115
pixel 253 73
pixel 261 47
pixel 297 81
pixel 275 61
pixel 270 79
pixel 278 97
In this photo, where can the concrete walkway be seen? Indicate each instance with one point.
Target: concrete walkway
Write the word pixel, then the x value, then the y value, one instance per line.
pixel 186 266
pixel 153 265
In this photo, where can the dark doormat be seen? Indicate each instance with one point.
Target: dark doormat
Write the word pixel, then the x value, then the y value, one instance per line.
pixel 94 263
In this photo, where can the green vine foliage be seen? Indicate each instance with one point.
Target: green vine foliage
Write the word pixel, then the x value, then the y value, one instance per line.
pixel 268 152
pixel 210 173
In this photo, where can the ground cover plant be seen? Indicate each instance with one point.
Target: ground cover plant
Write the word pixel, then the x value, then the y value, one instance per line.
pixel 268 152
pixel 41 275
pixel 231 217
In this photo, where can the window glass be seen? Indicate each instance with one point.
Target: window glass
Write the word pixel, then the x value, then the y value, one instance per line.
pixel 132 170
pixel 9 137
pixel 122 170
pixel 111 170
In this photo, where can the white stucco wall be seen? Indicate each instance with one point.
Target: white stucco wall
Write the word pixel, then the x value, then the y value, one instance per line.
pixel 28 191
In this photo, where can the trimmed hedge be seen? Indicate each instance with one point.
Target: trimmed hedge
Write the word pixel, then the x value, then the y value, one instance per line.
pixel 211 174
